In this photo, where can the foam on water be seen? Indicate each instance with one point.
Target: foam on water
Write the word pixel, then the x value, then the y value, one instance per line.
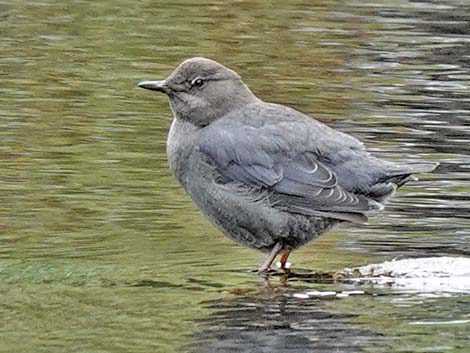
pixel 432 274
pixel 430 277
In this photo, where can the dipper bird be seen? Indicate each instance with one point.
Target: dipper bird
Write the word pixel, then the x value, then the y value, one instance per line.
pixel 268 176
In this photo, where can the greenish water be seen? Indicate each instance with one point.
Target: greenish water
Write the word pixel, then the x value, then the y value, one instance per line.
pixel 101 251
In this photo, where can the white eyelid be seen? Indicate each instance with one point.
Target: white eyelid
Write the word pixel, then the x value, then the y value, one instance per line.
pixel 197 78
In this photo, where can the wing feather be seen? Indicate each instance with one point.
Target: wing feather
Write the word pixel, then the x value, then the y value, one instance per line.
pixel 294 173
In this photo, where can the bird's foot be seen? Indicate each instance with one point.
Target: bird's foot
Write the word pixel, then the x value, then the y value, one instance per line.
pixel 263 270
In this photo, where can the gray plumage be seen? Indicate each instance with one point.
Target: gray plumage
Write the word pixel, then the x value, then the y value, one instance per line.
pixel 263 173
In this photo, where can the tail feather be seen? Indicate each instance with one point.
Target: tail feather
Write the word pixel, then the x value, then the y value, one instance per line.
pixel 413 168
pixel 397 176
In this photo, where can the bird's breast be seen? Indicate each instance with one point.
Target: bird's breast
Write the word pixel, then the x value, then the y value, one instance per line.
pixel 180 146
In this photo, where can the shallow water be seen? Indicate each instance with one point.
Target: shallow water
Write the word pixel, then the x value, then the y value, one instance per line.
pixel 101 251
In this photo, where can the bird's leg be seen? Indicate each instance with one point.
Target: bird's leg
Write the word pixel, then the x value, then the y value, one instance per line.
pixel 284 256
pixel 267 264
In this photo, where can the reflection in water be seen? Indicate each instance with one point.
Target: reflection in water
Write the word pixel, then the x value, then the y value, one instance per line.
pixel 100 250
pixel 279 323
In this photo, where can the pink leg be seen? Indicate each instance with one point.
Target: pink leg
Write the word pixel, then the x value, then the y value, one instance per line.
pixel 284 256
pixel 267 264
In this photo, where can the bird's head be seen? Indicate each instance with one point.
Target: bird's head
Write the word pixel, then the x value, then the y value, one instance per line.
pixel 201 90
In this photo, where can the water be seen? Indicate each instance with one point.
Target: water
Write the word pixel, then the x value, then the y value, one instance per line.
pixel 101 251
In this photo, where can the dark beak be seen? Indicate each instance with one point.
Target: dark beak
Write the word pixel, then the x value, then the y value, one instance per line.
pixel 159 86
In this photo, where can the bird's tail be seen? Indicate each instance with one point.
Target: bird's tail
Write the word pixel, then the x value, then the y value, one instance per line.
pixel 402 173
pixel 417 167
pixel 398 175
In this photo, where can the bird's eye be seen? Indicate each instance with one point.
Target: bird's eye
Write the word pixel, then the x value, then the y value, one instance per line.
pixel 198 82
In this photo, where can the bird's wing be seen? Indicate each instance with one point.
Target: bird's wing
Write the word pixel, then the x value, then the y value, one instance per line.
pixel 264 158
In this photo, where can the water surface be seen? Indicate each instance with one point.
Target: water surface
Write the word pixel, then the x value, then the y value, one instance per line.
pixel 101 251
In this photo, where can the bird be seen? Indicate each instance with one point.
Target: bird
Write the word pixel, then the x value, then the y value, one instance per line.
pixel 266 175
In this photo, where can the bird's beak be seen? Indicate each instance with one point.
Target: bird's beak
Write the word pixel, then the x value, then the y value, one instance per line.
pixel 159 86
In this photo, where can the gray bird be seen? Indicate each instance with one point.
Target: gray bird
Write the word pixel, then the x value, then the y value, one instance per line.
pixel 268 176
